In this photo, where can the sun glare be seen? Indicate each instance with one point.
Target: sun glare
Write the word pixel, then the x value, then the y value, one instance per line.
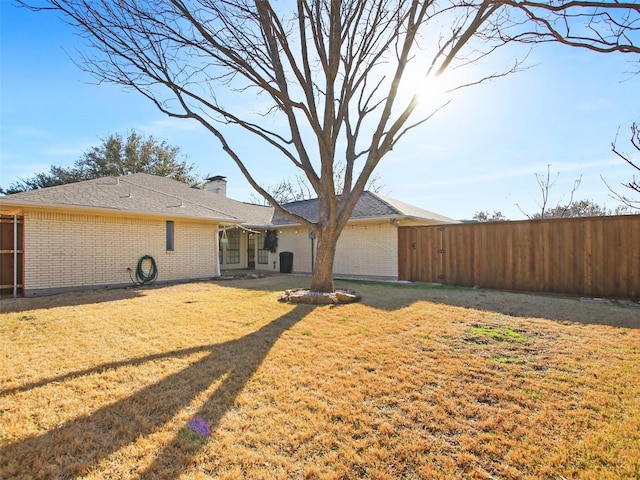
pixel 431 90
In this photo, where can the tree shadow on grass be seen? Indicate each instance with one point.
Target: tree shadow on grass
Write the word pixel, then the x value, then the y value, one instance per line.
pixel 393 296
pixel 96 295
pixel 572 309
pixel 71 299
pixel 77 446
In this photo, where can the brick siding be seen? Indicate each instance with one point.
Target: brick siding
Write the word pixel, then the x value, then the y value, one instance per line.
pixel 68 250
pixel 364 249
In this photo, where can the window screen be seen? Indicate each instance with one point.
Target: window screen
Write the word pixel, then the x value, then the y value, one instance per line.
pixel 170 236
pixel 263 254
pixel 233 247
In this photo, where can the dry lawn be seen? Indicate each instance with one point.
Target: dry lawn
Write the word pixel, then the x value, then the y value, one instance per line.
pixel 411 382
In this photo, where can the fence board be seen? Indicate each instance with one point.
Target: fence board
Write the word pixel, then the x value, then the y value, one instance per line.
pixel 7 248
pixel 596 256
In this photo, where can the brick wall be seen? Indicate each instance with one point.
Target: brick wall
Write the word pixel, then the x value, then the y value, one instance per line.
pixel 368 250
pixel 364 249
pixel 67 250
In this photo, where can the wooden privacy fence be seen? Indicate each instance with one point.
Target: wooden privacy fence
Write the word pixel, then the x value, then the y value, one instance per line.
pixel 11 255
pixel 596 256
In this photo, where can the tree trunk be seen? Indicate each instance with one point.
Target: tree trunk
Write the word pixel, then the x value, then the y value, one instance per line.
pixel 323 263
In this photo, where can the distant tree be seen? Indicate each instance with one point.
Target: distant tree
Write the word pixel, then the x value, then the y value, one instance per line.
pixel 630 200
pixel 485 216
pixel 546 183
pixel 115 156
pixel 287 191
pixel 581 208
pixel 55 176
pixel 572 208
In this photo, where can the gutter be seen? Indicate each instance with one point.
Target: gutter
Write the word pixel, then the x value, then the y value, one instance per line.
pixel 19 207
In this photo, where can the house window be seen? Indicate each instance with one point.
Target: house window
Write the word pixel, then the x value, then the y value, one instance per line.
pixel 170 236
pixel 263 253
pixel 233 247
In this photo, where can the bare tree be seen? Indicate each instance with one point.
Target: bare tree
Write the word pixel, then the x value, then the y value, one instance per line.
pixel 546 184
pixel 287 191
pixel 569 209
pixel 633 184
pixel 332 74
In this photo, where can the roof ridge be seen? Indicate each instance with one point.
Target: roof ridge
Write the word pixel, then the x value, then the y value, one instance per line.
pixel 384 200
pixel 174 196
pixel 412 210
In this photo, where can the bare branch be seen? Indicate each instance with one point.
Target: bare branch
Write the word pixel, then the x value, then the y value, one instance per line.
pixel 634 183
pixel 601 26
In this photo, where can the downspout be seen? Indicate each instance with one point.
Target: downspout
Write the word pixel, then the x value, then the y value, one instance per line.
pixel 15 256
pixel 217 242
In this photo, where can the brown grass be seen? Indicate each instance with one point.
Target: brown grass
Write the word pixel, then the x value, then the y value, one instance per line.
pixel 409 383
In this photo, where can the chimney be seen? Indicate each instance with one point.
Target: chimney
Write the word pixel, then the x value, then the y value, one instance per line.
pixel 217 185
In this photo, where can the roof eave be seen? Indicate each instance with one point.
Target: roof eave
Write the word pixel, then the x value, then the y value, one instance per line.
pixel 434 220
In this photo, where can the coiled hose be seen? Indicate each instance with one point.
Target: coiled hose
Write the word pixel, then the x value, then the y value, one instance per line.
pixel 145 278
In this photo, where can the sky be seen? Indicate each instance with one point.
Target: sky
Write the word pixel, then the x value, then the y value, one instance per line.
pixel 480 153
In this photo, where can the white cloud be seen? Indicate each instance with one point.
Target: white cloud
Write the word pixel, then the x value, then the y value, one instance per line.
pixel 33 133
pixel 73 150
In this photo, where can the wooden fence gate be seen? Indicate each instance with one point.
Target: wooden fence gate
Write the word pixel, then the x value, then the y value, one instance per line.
pixel 11 255
pixel 596 256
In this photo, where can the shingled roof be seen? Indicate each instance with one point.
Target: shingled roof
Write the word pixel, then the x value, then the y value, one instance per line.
pixel 142 193
pixel 370 206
